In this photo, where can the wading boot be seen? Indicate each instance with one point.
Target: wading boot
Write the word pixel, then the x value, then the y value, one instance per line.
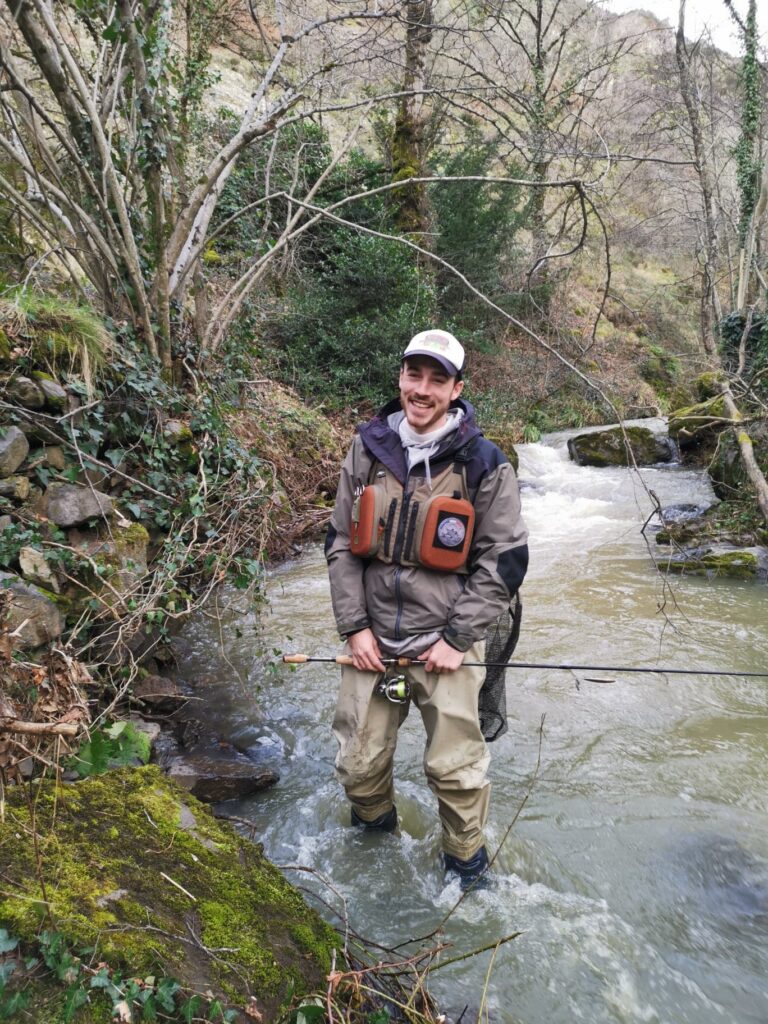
pixel 472 872
pixel 386 822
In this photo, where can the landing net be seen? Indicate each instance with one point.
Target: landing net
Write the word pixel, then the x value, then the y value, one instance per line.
pixel 500 642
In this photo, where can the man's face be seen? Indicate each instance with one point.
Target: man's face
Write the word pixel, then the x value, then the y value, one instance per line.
pixel 426 392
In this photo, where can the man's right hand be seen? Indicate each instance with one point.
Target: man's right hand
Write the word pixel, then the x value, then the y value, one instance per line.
pixel 364 649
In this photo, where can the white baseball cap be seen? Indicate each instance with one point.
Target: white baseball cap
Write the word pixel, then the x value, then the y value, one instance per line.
pixel 439 345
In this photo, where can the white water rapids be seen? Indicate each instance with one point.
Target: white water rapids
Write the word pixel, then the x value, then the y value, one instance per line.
pixel 638 869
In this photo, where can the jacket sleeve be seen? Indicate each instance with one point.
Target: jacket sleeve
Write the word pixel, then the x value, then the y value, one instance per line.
pixel 498 558
pixel 346 570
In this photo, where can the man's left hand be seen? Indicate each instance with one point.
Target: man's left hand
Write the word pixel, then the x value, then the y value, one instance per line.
pixel 441 657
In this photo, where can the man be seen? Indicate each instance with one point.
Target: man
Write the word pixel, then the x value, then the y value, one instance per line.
pixel 425 549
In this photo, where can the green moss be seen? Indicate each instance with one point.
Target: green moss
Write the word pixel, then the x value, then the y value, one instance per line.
pixel 710 384
pixel 609 447
pixel 130 536
pixel 740 565
pixel 107 849
pixel 5 347
pixel 696 419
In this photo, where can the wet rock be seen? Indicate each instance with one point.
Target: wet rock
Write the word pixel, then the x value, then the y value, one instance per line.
pixel 218 775
pixel 35 569
pixel 721 560
pixel 15 487
pixel 35 616
pixel 14 448
pixel 609 447
pixel 26 392
pixel 161 694
pixel 671 515
pixel 5 522
pixel 70 505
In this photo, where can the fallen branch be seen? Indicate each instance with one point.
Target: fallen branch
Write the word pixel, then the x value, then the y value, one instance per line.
pixel 40 728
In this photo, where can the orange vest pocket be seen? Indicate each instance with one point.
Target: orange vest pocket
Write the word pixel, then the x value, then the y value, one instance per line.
pixel 447 534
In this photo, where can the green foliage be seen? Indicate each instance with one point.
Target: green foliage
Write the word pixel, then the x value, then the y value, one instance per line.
pixel 56 332
pixel 268 168
pixel 732 329
pixel 112 746
pixel 347 324
pixel 11 1002
pixel 477 223
pixel 747 151
pixel 128 998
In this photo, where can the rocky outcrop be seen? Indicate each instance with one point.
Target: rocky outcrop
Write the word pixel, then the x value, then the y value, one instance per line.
pixel 33 617
pixel 621 447
pixel 71 505
pixel 14 448
pixel 702 542
pixel 721 560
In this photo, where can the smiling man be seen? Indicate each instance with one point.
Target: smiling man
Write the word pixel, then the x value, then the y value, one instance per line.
pixel 425 549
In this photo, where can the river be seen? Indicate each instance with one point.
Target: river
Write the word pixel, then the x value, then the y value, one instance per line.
pixel 637 871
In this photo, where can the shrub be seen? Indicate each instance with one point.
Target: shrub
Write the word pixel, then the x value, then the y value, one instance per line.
pixel 347 324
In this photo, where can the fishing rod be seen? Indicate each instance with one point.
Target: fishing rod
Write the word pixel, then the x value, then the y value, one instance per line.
pixel 345 659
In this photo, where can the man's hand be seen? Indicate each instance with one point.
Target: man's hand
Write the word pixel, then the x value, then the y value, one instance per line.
pixel 441 657
pixel 364 648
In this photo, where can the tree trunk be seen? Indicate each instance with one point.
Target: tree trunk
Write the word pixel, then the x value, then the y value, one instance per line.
pixel 409 148
pixel 709 303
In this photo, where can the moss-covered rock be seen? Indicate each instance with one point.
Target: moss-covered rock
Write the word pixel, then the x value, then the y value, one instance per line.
pixel 695 423
pixel 612 447
pixel 130 866
pixel 709 385
pixel 721 561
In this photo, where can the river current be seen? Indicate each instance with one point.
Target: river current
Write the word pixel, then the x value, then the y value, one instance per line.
pixel 637 871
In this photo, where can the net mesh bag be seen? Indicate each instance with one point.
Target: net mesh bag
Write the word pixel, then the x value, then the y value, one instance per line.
pixel 500 642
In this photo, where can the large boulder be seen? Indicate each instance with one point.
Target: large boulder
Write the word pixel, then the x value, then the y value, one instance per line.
pixel 612 447
pixel 70 505
pixel 120 555
pixel 14 448
pixel 34 615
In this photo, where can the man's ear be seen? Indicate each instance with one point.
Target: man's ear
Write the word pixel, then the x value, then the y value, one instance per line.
pixel 458 387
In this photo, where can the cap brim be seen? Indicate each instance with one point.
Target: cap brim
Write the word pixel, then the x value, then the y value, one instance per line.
pixel 445 363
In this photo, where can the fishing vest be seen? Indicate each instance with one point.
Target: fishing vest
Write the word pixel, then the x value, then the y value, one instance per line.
pixel 423 527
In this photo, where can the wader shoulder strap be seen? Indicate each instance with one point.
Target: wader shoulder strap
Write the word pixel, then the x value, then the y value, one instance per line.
pixel 460 460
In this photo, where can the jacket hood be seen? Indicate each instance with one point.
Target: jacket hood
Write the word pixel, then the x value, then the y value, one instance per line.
pixel 384 444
